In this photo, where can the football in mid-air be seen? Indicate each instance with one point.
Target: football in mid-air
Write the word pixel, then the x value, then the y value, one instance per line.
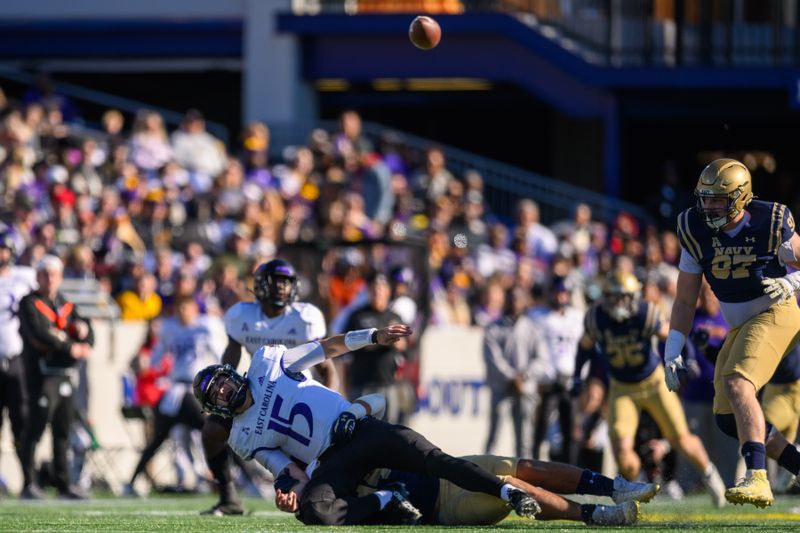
pixel 424 32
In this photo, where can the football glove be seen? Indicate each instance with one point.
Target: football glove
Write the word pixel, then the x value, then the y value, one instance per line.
pixel 284 482
pixel 676 373
pixel 343 429
pixel 779 289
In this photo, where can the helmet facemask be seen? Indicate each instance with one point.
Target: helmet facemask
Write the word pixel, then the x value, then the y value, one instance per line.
pixel 621 296
pixel 723 179
pixel 207 385
pixel 620 306
pixel 276 284
pixel 717 217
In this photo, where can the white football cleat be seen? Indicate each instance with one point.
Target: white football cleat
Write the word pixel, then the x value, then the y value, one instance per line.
pixel 616 515
pixel 629 491
pixel 716 487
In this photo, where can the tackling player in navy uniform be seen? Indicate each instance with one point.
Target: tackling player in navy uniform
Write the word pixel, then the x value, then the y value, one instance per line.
pixel 278 413
pixel 741 246
pixel 444 503
pixel 624 330
pixel 274 318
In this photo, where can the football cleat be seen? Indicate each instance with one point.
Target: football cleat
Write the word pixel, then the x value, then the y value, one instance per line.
pixel 400 511
pixel 753 489
pixel 130 491
pixel 629 491
pixel 32 492
pixel 716 487
pixel 523 503
pixel 224 509
pixel 616 515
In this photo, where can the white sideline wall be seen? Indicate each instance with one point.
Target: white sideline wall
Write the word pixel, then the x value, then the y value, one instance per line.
pixel 453 412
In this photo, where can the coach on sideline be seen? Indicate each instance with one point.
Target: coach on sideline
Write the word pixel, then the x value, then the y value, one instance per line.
pixel 54 339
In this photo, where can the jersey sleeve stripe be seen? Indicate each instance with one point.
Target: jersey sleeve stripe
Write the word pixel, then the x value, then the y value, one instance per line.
pixel 770 244
pixel 261 449
pixel 779 227
pixel 592 324
pixel 690 243
pixel 771 226
pixel 650 321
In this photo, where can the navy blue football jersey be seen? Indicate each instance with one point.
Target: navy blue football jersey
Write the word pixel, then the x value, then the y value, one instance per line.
pixel 628 347
pixel 734 266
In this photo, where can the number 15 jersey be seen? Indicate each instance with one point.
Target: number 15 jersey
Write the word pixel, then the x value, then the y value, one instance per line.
pixel 291 412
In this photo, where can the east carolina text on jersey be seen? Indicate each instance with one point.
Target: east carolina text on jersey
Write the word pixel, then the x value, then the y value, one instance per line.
pixel 247 324
pixel 628 347
pixel 735 265
pixel 290 412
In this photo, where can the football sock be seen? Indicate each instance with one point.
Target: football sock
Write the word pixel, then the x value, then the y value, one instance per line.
pixel 790 459
pixel 595 484
pixel 755 455
pixel 587 509
pixel 384 496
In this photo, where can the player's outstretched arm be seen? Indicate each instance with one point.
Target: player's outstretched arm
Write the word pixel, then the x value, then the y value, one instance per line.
pixel 307 355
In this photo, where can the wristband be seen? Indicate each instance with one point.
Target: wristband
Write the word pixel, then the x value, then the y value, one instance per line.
pixel 674 345
pixel 794 280
pixel 360 338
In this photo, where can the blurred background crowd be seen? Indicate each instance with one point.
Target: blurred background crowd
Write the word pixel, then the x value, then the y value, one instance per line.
pixel 142 217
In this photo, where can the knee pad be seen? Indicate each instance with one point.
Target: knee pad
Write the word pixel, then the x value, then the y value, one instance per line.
pixel 727 423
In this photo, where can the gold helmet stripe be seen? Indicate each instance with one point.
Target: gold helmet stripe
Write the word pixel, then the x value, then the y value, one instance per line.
pixel 690 243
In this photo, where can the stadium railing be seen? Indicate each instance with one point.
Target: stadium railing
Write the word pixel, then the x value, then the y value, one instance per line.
pixel 504 184
pixel 628 33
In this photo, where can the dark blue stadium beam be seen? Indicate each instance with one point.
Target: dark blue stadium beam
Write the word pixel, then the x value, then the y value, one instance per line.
pixel 368 29
pixel 490 46
pixel 25 39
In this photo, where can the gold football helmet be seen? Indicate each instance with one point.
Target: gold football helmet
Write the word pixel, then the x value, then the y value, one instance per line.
pixel 621 294
pixel 728 179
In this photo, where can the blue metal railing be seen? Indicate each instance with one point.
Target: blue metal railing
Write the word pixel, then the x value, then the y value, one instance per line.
pixel 504 184
pixel 628 32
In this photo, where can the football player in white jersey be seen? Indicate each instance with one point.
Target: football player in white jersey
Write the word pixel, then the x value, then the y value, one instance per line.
pixel 274 318
pixel 194 341
pixel 562 329
pixel 279 413
pixel 15 282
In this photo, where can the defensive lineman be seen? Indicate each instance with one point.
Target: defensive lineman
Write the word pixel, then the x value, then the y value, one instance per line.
pixel 279 413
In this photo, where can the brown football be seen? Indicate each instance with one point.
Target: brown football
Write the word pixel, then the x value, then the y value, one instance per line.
pixel 424 32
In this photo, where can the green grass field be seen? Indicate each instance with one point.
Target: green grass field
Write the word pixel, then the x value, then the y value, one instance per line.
pixel 180 514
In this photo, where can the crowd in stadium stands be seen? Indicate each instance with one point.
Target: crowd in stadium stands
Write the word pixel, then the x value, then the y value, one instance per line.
pixel 154 216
